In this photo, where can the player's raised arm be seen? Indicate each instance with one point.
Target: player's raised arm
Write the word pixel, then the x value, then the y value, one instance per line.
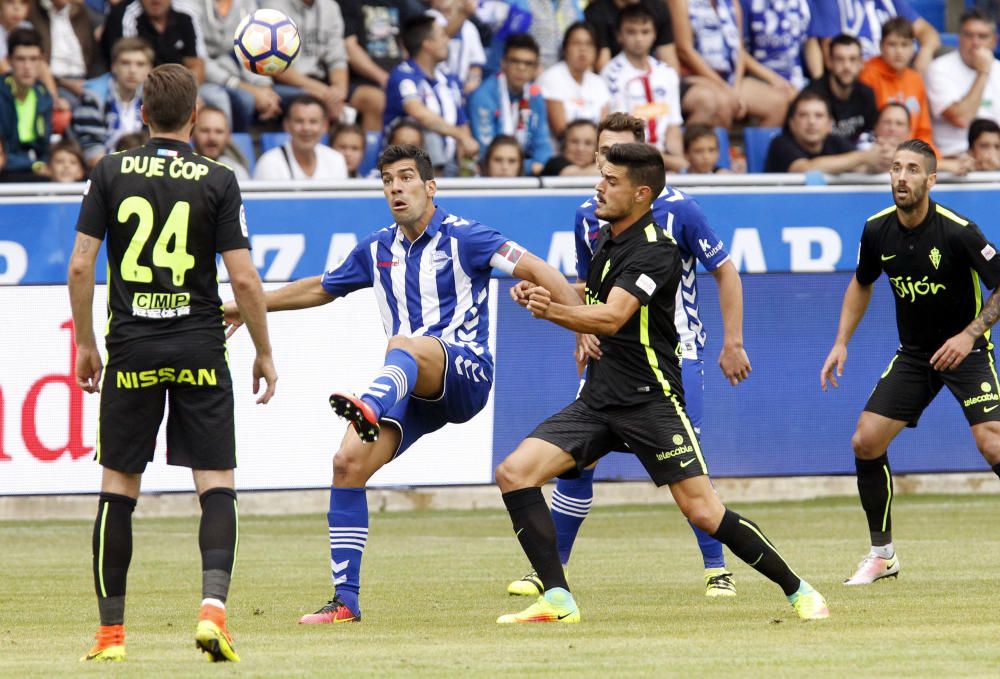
pixel 531 268
pixel 856 300
pixel 302 294
pixel 81 295
pixel 250 300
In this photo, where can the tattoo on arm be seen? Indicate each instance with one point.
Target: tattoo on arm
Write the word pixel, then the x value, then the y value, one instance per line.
pixel 987 317
pixel 83 247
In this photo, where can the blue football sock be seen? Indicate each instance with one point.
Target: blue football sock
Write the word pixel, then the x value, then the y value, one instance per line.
pixel 393 383
pixel 711 549
pixel 571 502
pixel 348 520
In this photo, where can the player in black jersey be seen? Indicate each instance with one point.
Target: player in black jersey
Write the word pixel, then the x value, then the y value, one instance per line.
pixel 633 395
pixel 165 212
pixel 936 262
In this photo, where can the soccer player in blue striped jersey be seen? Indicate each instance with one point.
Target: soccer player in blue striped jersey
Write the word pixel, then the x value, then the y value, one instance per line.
pixel 685 222
pixel 430 273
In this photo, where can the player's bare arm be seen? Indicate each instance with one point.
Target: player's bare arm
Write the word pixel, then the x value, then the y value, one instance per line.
pixel 595 319
pixel 733 360
pixel 956 348
pixel 302 294
pixel 250 301
pixel 81 295
pixel 531 268
pixel 856 301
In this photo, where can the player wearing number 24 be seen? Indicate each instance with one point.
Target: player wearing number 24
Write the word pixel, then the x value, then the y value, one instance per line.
pixel 165 212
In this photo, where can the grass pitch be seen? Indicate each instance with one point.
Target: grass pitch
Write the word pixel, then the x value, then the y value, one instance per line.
pixel 434 582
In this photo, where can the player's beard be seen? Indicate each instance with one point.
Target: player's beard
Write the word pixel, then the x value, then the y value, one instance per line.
pixel 606 213
pixel 913 199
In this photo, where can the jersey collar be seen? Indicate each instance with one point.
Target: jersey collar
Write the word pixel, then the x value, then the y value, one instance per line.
pixel 432 227
pixel 635 230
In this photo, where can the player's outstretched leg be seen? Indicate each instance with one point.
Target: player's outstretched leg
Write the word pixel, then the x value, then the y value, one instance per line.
pixel 393 383
pixel 348 522
pixel 536 532
pixel 112 552
pixel 218 536
pixel 571 501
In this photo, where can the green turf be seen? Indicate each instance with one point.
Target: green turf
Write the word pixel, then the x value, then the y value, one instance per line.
pixel 434 583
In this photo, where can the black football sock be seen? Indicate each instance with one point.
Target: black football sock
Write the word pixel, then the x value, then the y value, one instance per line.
pixel 112 550
pixel 875 489
pixel 996 469
pixel 747 541
pixel 537 534
pixel 218 536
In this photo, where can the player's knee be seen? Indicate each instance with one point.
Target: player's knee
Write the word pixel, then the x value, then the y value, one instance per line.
pixel 865 447
pixel 988 443
pixel 400 342
pixel 508 477
pixel 347 466
pixel 704 516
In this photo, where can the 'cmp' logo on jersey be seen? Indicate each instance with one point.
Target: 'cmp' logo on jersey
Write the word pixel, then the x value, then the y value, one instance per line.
pixel 935 257
pixel 909 289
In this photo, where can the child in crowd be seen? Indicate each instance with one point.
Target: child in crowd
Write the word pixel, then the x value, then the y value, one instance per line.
pixel 579 152
pixel 350 141
pixel 701 150
pixel 66 162
pixel 504 157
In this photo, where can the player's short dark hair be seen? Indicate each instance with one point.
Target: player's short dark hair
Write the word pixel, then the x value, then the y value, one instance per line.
pixel 924 149
pixel 804 96
pixel 900 26
pixel 521 41
pixel 305 100
pixel 693 133
pixel 643 163
pixel 579 26
pixel 845 40
pixel 169 96
pixel 415 32
pixel 397 152
pixel 976 14
pixel 23 37
pixel 635 13
pixel 504 140
pixel 981 126
pixel 899 105
pixel 124 45
pixel 623 122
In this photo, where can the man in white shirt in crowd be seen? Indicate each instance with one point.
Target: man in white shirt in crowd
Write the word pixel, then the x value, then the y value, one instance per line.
pixel 965 84
pixel 303 156
pixel 212 137
pixel 645 87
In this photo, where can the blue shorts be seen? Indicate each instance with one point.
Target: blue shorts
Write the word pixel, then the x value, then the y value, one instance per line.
pixel 693 376
pixel 468 379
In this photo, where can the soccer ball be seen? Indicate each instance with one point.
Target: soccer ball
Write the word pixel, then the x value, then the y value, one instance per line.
pixel 266 42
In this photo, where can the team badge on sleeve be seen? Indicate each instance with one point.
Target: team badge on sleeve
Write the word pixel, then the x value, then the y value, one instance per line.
pixel 988 252
pixel 243 222
pixel 507 256
pixel 646 284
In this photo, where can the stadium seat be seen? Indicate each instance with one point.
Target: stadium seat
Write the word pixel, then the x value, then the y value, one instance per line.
pixel 756 141
pixel 949 40
pixel 931 11
pixel 244 142
pixel 272 140
pixel 722 134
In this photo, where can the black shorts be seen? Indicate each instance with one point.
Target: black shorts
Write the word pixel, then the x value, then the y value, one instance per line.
pixel 910 383
pixel 193 377
pixel 657 432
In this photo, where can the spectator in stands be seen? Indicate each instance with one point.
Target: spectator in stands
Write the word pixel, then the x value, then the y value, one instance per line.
pixel 500 19
pixel 549 19
pixel 419 89
pixel 372 37
pixel 405 131
pixel 510 103
pixel 349 141
pixel 965 84
pixel 853 102
pixel 781 35
pixel 579 152
pixel 246 94
pixel 725 84
pixel 25 108
pixel 571 88
pixel 504 158
pixel 65 164
pixel 466 55
pixel 173 32
pixel 603 16
pixel 109 105
pixel 892 80
pixel 13 14
pixel 807 143
pixel 701 150
pixel 864 19
pixel 303 156
pixel 130 141
pixel 645 87
pixel 68 41
pixel 320 69
pixel 894 124
pixel 984 145
pixel 213 139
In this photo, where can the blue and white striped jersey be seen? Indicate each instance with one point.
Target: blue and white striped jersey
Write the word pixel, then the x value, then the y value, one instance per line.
pixel 682 218
pixel 437 285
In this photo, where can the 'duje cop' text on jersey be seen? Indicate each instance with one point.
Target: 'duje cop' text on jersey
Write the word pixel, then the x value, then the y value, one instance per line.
pixel 936 271
pixel 165 211
pixel 640 362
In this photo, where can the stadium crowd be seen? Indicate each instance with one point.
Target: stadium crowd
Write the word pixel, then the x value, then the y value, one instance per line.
pixel 506 88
